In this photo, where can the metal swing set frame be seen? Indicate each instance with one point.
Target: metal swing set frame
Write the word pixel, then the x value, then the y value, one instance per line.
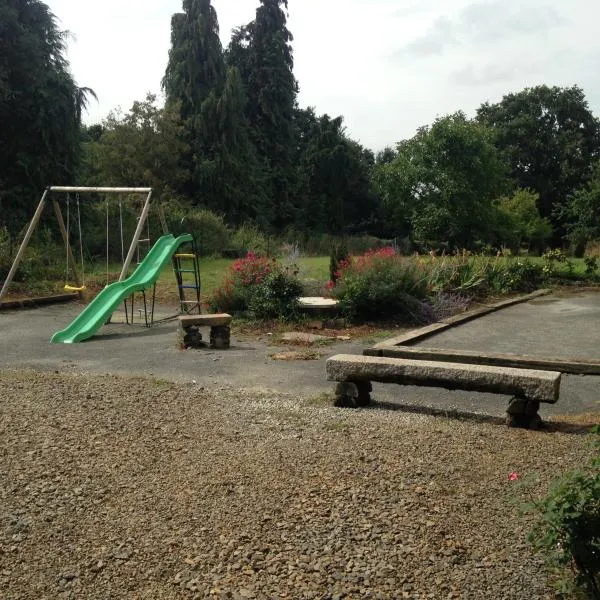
pixel 66 234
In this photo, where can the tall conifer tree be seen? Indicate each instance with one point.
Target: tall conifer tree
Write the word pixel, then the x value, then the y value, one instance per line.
pixel 194 80
pixel 263 53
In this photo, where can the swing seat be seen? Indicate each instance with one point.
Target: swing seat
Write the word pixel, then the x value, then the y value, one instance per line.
pixel 72 288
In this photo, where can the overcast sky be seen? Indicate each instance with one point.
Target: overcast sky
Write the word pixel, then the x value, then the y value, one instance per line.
pixel 387 66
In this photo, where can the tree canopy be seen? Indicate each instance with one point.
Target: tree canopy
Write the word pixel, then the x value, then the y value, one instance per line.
pixel 441 186
pixel 40 107
pixel 550 138
pixel 232 139
pixel 262 52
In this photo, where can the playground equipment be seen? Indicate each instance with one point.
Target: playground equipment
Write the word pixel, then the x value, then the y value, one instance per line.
pixel 105 303
pixel 100 310
pixel 65 231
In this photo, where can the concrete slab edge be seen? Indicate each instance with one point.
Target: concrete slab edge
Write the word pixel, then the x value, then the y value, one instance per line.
pixel 576 366
pixel 424 332
pixel 33 302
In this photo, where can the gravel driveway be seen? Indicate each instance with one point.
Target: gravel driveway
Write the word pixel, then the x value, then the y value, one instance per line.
pixel 146 489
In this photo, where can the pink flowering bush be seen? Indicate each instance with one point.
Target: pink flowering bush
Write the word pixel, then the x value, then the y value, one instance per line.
pixel 381 285
pixel 259 286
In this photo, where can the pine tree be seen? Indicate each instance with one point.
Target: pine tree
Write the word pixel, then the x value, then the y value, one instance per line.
pixel 194 80
pixel 196 65
pixel 262 52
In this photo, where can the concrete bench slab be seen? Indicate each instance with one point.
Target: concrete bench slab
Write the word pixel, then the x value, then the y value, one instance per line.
pixel 538 386
pixel 526 387
pixel 215 320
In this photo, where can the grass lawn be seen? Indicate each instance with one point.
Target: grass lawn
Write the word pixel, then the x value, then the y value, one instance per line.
pixel 214 270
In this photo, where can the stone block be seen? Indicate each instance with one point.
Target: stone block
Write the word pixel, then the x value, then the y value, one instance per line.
pixel 539 386
pixel 215 320
pixel 220 337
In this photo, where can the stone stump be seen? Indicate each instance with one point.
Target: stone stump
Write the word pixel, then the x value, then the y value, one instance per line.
pixel 220 332
pixel 353 394
pixel 523 413
pixel 220 337
pixel 190 337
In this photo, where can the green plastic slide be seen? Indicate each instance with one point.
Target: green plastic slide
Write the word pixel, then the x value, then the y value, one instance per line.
pixel 104 304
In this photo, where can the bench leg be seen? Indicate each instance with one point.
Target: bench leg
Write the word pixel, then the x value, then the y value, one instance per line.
pixel 353 394
pixel 220 336
pixel 190 337
pixel 523 413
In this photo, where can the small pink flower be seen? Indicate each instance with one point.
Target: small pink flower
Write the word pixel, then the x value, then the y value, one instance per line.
pixel 513 476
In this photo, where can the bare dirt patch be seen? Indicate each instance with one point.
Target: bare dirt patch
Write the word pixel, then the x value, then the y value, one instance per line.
pixel 141 488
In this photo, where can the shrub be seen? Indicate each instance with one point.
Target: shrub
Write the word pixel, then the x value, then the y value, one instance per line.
pixel 248 238
pixel 260 287
pixel 519 276
pixel 569 529
pixel 5 253
pixel 276 297
pixel 591 265
pixel 339 255
pixel 381 285
pixel 209 230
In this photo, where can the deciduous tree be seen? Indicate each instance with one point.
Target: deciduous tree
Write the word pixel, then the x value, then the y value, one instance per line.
pixel 440 188
pixel 551 140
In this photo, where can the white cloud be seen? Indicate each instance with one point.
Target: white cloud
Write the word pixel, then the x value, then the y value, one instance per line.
pixel 447 55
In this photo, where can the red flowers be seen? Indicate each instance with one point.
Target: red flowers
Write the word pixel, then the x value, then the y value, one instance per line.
pixel 370 261
pixel 243 273
pixel 513 476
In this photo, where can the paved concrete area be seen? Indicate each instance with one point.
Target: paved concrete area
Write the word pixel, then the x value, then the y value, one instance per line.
pixel 567 326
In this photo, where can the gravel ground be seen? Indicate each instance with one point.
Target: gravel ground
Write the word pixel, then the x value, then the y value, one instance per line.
pixel 146 489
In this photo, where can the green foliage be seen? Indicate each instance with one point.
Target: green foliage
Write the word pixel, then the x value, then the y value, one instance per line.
pixel 381 286
pixel 277 296
pixel 211 233
pixel 591 265
pixel 40 108
pixel 260 287
pixel 440 187
pixel 223 172
pixel 339 255
pixel 139 148
pixel 334 175
pixel 262 53
pixel 582 212
pixel 6 256
pixel 520 276
pixel 44 259
pixel 521 222
pixel 196 66
pixel 568 531
pixel 248 238
pixel 550 138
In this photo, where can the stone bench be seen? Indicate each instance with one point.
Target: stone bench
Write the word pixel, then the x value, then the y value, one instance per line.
pixel 220 332
pixel 527 388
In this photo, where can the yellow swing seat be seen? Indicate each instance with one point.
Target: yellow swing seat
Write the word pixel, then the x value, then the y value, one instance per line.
pixel 73 288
